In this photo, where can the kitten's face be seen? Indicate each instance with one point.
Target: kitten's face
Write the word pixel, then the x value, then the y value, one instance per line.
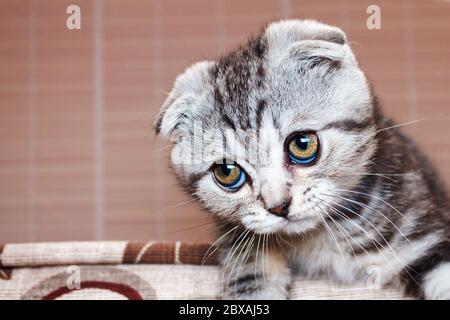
pixel 290 112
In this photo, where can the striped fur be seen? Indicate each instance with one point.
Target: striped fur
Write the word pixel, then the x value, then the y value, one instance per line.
pixel 370 209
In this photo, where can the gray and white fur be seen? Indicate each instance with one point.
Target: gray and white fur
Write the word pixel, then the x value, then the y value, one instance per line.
pixel 370 202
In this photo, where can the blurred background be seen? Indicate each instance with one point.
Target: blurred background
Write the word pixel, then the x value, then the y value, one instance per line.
pixel 78 160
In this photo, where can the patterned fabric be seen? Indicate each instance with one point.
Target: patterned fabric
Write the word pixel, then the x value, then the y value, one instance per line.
pixel 108 252
pixel 126 270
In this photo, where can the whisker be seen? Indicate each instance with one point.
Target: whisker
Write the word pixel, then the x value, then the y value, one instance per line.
pixel 374 241
pixel 343 232
pixel 247 254
pixel 163 148
pixel 399 125
pixel 267 252
pixel 340 214
pixel 378 174
pixel 379 199
pixel 256 262
pixel 278 240
pixel 229 256
pixel 214 245
pixel 179 204
pixel 362 217
pixel 369 174
pixel 403 265
pixel 264 257
pixel 245 233
pixel 397 174
pixel 236 261
pixel 380 213
pixel 325 224
pixel 192 228
pixel 287 242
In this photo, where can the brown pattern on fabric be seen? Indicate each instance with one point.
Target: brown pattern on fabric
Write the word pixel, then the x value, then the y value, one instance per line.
pixel 198 254
pixel 121 289
pixel 169 253
pixel 151 252
pixel 1 251
pixel 6 273
pixel 157 253
pixel 108 252
pixel 108 279
pixel 131 252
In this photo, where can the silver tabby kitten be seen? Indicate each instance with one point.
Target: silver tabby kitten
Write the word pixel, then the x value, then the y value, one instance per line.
pixel 302 171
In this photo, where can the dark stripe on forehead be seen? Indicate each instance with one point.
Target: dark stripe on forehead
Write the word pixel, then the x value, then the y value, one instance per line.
pixel 234 77
pixel 260 109
pixel 227 121
pixel 257 46
pixel 350 125
pixel 276 123
pixel 218 96
pixel 260 75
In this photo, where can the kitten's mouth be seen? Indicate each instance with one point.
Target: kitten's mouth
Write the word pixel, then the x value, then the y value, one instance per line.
pixel 291 224
pixel 299 219
pixel 299 225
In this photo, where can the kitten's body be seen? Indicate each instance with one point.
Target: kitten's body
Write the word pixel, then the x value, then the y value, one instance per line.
pixel 371 207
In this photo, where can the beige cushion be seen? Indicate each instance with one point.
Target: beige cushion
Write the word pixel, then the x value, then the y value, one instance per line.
pixel 123 270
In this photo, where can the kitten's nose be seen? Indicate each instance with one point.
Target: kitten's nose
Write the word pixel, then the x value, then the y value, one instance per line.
pixel 281 210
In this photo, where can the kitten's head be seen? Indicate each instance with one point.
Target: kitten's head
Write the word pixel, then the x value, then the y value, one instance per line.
pixel 269 132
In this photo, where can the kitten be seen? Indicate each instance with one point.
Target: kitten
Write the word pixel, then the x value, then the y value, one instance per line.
pixel 301 170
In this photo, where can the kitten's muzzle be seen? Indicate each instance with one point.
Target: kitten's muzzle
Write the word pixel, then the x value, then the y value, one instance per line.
pixel 281 210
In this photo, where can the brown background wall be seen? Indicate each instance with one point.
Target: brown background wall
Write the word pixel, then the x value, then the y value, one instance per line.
pixel 77 156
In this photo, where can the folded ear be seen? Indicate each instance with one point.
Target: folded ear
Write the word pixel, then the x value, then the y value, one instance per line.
pixel 312 43
pixel 284 33
pixel 181 103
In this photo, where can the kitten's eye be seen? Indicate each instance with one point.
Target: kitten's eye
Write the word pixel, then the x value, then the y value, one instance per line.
pixel 303 148
pixel 230 176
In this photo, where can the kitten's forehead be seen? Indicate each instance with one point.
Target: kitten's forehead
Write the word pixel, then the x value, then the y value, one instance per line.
pixel 290 76
pixel 238 80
